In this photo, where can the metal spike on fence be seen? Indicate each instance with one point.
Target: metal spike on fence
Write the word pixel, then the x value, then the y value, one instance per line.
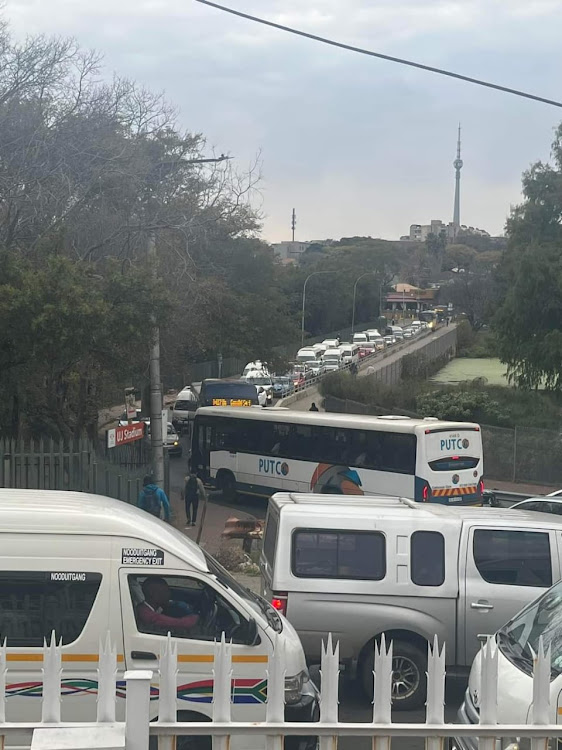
pixel 540 710
pixel 52 673
pixel 382 681
pixel 3 671
pixel 435 706
pixel 167 701
pixel 382 693
pixel 222 689
pixel 276 691
pixel 167 706
pixel 107 677
pixel 488 699
pixel 489 682
pixel 329 671
pixel 222 676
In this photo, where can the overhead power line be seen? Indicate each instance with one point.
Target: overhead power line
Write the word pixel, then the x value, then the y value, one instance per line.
pixel 381 56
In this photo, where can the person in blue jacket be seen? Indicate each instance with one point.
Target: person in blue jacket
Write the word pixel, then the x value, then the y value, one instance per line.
pixel 153 499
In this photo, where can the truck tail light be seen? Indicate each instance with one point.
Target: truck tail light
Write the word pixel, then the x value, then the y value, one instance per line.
pixel 279 602
pixel 426 493
pixel 481 487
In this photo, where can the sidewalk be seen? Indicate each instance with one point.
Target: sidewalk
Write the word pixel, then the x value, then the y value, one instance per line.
pixel 215 519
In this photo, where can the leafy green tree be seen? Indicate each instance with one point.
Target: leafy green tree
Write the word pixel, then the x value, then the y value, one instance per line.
pixel 529 321
pixel 65 332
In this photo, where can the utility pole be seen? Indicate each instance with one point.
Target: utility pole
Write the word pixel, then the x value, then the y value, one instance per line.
pixel 156 433
pixel 294 223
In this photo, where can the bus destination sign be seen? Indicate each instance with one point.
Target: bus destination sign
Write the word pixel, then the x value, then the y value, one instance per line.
pixel 231 402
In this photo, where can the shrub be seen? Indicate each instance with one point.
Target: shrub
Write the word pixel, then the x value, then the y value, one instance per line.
pixel 458 405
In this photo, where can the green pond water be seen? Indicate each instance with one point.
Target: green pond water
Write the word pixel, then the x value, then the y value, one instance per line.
pixel 468 369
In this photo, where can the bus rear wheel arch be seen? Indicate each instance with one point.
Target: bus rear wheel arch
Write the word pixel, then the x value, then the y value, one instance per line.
pixel 409 668
pixel 226 482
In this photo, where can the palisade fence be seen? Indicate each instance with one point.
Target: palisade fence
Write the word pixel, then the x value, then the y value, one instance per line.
pixel 520 454
pixel 232 366
pixel 77 465
pixel 159 689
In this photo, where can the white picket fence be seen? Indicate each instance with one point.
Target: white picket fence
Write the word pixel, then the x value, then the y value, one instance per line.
pixel 133 734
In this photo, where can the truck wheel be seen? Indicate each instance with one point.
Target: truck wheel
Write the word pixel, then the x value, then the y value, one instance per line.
pixel 227 485
pixel 409 679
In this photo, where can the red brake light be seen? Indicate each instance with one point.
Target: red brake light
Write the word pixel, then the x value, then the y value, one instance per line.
pixel 279 602
pixel 455 458
pixel 426 493
pixel 481 486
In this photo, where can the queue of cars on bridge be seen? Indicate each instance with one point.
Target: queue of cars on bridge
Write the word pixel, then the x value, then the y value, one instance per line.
pixel 330 355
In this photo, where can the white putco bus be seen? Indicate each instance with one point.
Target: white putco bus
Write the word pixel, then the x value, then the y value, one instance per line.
pixel 262 451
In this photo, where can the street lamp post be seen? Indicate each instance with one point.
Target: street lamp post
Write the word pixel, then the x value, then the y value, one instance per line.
pixel 314 273
pixel 368 273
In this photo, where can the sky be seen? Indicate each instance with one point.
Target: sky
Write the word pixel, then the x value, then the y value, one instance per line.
pixel 358 146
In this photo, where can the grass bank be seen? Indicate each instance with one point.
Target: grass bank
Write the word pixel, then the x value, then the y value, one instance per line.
pixel 467 401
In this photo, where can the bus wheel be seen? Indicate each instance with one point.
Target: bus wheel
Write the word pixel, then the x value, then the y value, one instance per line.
pixel 227 485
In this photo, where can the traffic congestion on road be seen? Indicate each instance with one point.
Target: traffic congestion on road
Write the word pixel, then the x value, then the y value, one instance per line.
pixel 463 568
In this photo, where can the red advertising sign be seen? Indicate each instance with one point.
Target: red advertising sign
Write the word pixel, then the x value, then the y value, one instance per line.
pixel 127 434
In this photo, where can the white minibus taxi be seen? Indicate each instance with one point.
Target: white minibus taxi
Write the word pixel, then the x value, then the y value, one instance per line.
pixel 83 566
pixel 349 353
pixel 518 645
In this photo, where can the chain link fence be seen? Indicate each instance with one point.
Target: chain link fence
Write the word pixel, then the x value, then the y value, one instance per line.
pixel 511 454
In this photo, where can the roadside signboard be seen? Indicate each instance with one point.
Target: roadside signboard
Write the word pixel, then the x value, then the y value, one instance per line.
pixel 130 403
pixel 127 434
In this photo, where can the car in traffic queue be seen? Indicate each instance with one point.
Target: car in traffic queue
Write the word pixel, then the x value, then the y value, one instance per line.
pixel 303 368
pixel 185 406
pixel 312 357
pixel 408 333
pixel 366 349
pixel 360 338
pixel 261 379
pixel 364 566
pixel 389 340
pixel 170 438
pixel 83 569
pixel 282 386
pixel 518 643
pixel 543 504
pixel 331 343
pixel 332 360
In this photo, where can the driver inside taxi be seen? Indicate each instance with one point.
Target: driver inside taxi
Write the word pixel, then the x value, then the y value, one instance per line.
pixel 153 611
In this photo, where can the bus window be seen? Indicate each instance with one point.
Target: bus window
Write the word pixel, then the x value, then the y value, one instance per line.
pixel 399 453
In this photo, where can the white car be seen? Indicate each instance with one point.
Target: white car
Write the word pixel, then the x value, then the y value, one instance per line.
pixel 261 379
pixel 544 504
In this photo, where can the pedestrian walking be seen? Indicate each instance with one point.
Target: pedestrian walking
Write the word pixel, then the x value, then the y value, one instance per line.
pixel 193 492
pixel 153 499
pixel 448 320
pixel 313 407
pixel 262 397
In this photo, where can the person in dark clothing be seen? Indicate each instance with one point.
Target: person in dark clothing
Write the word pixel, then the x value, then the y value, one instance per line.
pixel 313 407
pixel 193 492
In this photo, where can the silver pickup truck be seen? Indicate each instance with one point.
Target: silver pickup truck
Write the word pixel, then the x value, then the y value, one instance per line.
pixel 358 568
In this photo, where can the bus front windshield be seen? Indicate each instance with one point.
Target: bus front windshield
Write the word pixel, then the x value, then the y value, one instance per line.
pixel 519 639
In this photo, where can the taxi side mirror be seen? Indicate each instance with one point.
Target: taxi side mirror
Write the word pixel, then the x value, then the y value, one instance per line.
pixel 253 637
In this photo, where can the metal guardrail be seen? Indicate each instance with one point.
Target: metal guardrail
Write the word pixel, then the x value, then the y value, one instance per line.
pixel 507 499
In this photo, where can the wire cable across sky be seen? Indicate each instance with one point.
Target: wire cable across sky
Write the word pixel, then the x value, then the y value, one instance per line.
pixel 381 56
